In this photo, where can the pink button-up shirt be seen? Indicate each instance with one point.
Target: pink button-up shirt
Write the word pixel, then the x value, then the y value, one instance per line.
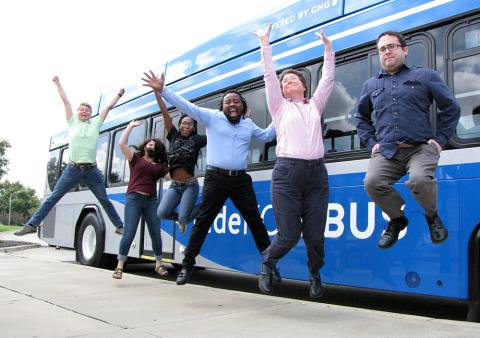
pixel 298 124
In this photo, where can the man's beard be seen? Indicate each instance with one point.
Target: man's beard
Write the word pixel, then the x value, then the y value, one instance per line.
pixel 151 152
pixel 233 120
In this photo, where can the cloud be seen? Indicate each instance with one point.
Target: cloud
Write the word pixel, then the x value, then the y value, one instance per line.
pixel 208 58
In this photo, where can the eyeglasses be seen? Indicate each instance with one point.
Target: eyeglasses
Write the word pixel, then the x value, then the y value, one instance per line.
pixel 391 47
pixel 186 123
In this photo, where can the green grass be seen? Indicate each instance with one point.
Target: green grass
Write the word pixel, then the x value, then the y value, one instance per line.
pixel 9 228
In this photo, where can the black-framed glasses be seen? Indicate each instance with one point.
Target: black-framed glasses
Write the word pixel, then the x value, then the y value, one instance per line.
pixel 391 47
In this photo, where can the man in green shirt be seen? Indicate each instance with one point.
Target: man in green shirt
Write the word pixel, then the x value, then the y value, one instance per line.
pixel 83 136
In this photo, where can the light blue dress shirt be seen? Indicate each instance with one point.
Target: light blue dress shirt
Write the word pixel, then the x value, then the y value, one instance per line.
pixel 228 143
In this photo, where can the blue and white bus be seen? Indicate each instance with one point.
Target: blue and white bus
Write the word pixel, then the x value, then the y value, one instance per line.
pixel 441 34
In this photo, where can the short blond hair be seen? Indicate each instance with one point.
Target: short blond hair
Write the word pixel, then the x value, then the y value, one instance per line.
pixel 85 104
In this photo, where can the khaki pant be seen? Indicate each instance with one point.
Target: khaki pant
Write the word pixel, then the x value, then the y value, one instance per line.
pixel 420 163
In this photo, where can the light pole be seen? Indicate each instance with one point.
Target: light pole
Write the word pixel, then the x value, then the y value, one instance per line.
pixel 10 206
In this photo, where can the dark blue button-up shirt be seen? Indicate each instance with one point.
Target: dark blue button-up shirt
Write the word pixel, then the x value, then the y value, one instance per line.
pixel 394 109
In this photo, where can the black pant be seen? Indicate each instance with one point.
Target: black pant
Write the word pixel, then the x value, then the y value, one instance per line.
pixel 217 188
pixel 300 203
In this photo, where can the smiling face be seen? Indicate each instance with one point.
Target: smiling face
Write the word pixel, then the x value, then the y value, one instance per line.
pixel 233 107
pixel 186 126
pixel 392 55
pixel 84 112
pixel 292 86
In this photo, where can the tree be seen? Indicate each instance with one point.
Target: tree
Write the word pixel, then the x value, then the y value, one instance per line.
pixel 24 202
pixel 4 144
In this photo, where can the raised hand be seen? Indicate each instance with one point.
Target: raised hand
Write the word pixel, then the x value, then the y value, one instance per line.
pixel 56 80
pixel 326 41
pixel 134 123
pixel 264 34
pixel 154 82
pixel 121 92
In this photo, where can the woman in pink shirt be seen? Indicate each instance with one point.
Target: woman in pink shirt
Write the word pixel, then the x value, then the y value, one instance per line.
pixel 299 180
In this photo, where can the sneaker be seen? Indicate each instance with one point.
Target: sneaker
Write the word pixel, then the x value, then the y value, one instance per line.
pixel 181 226
pixel 390 236
pixel 27 229
pixel 438 232
pixel 119 231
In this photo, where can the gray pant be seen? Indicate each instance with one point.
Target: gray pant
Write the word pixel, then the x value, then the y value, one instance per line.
pixel 420 163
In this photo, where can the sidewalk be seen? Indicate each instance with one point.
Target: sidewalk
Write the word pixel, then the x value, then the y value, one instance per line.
pixel 16 243
pixel 40 296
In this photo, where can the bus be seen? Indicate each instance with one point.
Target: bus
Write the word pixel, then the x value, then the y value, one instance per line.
pixel 441 34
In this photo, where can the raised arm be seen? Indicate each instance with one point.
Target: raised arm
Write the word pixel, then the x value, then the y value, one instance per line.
pixel 124 138
pixel 113 102
pixel 326 83
pixel 202 115
pixel 63 96
pixel 273 89
pixel 156 83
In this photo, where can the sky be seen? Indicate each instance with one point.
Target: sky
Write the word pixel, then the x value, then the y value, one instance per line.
pixel 93 46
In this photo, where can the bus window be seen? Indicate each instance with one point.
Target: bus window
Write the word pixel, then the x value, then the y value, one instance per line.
pixel 466 79
pixel 64 161
pixel 257 104
pixel 102 152
pixel 119 169
pixel 52 166
pixel 340 132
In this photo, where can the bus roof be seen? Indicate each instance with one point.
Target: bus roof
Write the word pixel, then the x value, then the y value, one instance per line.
pixel 233 57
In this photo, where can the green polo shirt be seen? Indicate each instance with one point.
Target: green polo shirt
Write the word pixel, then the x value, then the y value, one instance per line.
pixel 83 139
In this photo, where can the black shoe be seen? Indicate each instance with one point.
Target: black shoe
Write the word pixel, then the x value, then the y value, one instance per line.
pixel 265 282
pixel 27 229
pixel 392 230
pixel 438 232
pixel 276 278
pixel 184 275
pixel 316 288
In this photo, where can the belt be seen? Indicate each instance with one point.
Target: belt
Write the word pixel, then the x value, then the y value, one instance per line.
pixel 83 166
pixel 225 171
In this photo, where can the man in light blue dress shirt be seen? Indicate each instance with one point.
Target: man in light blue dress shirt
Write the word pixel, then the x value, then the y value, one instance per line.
pixel 229 135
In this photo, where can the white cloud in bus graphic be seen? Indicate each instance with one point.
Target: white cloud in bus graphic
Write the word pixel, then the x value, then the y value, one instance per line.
pixel 207 58
pixel 234 224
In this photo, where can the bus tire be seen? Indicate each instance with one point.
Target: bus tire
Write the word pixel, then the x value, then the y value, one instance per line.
pixel 90 241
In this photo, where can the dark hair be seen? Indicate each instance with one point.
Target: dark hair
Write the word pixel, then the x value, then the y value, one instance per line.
pixel 297 73
pixel 160 155
pixel 233 91
pixel 194 123
pixel 399 36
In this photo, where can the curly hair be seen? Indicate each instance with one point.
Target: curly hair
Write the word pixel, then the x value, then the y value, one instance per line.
pixel 233 91
pixel 160 156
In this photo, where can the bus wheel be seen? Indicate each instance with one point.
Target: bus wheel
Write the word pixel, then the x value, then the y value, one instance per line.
pixel 90 241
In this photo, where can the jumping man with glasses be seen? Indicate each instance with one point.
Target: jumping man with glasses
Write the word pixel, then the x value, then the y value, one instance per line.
pixel 394 123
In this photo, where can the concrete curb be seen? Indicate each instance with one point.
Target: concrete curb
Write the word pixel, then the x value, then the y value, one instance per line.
pixel 19 247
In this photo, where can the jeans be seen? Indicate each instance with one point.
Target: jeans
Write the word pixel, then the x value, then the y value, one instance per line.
pixel 92 178
pixel 217 188
pixel 300 203
pixel 140 205
pixel 183 195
